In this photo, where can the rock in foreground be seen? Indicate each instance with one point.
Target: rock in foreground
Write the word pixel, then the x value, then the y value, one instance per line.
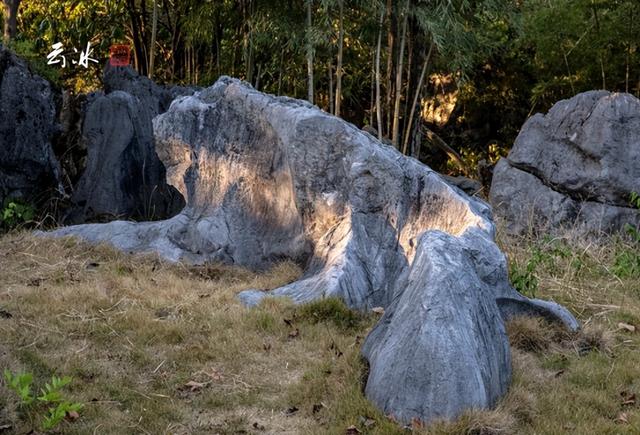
pixel 267 179
pixel 575 167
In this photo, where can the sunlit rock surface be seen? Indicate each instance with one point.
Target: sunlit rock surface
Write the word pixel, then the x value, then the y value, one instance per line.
pixel 269 178
pixel 575 167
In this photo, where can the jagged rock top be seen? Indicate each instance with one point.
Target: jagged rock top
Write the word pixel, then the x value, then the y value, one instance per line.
pixel 574 167
pixel 588 146
pixel 28 167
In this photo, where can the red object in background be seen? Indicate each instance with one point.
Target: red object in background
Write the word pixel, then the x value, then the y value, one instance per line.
pixel 119 55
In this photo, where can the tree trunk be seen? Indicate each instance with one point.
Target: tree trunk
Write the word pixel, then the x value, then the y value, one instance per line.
pixel 154 32
pixel 396 110
pixel 378 99
pixel 310 92
pixel 141 64
pixel 389 72
pixel 331 106
pixel 442 145
pixel 423 74
pixel 372 98
pixel 280 72
pixel 10 19
pixel 339 65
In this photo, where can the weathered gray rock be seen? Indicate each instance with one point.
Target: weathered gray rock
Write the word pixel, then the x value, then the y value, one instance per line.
pixel 28 167
pixel 269 178
pixel 467 185
pixel 155 98
pixel 574 167
pixel 441 346
pixel 124 176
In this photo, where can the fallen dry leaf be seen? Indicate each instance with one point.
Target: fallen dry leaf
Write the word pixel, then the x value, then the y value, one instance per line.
pixel 194 386
pixel 294 333
pixel 291 410
pixel 628 398
pixel 367 422
pixel 352 430
pixel 72 416
pixel 416 423
pixel 626 327
pixel 623 418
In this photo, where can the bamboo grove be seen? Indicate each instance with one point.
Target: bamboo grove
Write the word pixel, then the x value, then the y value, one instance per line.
pixel 380 64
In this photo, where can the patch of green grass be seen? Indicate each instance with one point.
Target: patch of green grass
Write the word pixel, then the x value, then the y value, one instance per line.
pixel 331 310
pixel 627 263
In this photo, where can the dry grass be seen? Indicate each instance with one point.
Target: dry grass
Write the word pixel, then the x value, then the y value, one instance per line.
pixel 133 331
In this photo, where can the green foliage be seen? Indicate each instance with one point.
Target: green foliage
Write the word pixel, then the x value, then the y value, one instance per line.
pixel 330 310
pixel 15 213
pixel 627 263
pixel 20 383
pixel 633 231
pixel 58 413
pixel 51 391
pixel 36 60
pixel 51 394
pixel 581 45
pixel 524 277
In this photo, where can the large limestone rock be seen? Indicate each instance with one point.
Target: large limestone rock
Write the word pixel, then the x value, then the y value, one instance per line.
pixel 124 176
pixel 574 167
pixel 269 178
pixel 28 167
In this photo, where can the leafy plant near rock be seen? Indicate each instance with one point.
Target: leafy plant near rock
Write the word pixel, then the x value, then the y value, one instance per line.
pixel 15 213
pixel 627 262
pixel 634 231
pixel 50 394
pixel 542 254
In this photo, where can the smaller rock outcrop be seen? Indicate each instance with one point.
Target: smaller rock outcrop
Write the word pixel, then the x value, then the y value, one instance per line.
pixel 28 167
pixel 575 167
pixel 124 176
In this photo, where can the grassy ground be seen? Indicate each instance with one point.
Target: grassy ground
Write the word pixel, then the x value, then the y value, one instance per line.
pixel 160 348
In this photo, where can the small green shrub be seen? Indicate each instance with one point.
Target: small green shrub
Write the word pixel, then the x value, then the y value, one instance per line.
pixel 51 394
pixel 542 254
pixel 21 384
pixel 627 263
pixel 28 51
pixel 15 213
pixel 330 310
